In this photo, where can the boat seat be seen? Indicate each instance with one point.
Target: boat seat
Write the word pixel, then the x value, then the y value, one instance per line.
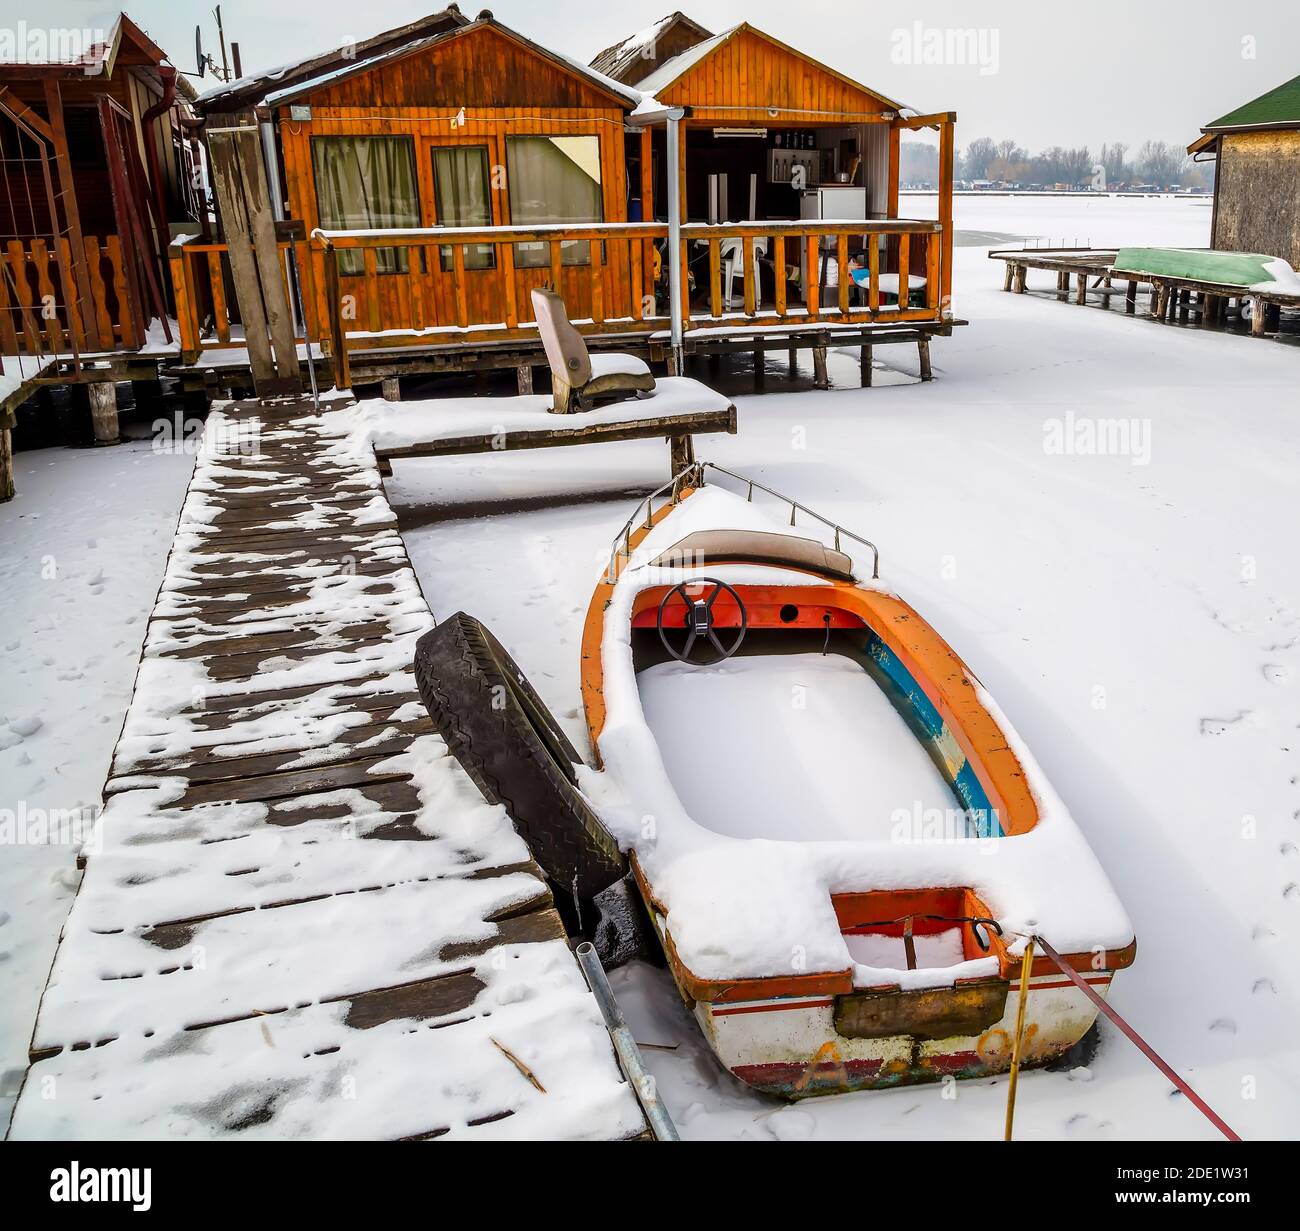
pixel 578 378
pixel 757 547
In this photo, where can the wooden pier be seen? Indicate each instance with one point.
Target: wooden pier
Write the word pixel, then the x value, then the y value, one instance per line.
pixel 1093 272
pixel 298 916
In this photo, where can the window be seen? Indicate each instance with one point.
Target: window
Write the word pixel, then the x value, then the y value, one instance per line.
pixel 461 197
pixel 553 180
pixel 365 183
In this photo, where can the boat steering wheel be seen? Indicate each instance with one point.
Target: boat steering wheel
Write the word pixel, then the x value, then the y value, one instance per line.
pixel 699 622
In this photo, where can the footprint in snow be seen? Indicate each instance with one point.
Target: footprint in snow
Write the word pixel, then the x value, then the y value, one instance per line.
pixel 1291 892
pixel 1276 673
pixel 1223 1025
pixel 1288 848
pixel 1218 726
pixel 791 1124
pixel 1263 985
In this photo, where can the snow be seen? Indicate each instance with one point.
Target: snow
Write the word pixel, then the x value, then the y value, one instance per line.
pixel 1137 623
pixel 83 548
pixel 769 747
pixel 611 363
pixel 377 424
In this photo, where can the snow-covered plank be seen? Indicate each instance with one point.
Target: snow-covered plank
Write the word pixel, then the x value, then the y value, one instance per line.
pixel 287 840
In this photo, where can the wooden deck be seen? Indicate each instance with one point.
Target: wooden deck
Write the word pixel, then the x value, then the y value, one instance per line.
pixel 1170 300
pixel 298 916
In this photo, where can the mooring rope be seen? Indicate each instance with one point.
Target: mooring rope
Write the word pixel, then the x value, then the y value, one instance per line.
pixel 1138 1041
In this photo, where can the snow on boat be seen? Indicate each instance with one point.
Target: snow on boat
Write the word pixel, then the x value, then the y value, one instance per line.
pixel 840 840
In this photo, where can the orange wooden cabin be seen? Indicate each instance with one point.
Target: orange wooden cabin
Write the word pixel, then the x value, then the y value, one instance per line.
pixel 442 171
pixel 96 169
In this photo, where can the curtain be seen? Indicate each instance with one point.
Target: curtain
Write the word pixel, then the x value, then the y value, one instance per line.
pixel 553 180
pixel 366 183
pixel 460 185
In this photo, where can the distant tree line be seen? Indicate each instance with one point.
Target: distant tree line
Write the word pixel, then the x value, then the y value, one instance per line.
pixel 1153 163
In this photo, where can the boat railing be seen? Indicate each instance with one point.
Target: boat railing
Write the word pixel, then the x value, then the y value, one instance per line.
pixel 695 475
pixel 839 532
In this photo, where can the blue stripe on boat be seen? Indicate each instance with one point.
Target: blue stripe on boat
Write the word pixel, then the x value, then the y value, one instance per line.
pixel 983 819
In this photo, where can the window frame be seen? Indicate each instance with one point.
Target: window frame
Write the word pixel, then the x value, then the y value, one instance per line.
pixel 401 253
pixel 583 246
pixel 486 144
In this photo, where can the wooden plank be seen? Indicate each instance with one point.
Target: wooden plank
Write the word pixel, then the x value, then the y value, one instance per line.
pixel 641 429
pixel 227 176
pixel 778 264
pixel 48 296
pixel 121 291
pixel 842 263
pixel 715 278
pixel 217 283
pixel 904 270
pixel 751 291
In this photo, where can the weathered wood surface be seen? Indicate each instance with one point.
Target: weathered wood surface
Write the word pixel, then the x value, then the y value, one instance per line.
pixel 298 915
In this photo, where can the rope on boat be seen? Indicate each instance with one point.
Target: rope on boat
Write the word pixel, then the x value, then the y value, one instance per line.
pixel 1018 1046
pixel 1138 1041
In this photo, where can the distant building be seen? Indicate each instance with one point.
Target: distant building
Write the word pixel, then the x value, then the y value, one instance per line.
pixel 1257 186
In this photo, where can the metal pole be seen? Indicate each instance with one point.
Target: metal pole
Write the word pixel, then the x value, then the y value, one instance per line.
pixel 629 1054
pixel 1017 1048
pixel 675 236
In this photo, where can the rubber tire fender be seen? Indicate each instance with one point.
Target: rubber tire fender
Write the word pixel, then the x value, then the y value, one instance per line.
pixel 509 743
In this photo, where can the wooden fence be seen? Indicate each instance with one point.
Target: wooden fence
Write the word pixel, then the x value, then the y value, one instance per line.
pixel 470 286
pixel 34 317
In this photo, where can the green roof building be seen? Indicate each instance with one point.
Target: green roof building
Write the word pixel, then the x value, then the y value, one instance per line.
pixel 1257 185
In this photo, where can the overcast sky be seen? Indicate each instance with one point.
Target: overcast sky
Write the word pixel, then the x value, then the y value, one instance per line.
pixel 1046 72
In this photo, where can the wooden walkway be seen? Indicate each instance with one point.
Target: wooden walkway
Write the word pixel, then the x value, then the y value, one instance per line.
pixel 298 915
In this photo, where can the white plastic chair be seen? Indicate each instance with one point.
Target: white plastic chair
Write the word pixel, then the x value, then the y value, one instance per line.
pixel 732 252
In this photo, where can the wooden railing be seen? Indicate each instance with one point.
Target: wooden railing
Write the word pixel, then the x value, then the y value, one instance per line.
pixel 471 286
pixel 207 315
pixel 37 317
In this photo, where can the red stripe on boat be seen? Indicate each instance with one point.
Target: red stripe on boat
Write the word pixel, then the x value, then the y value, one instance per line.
pixel 774 1008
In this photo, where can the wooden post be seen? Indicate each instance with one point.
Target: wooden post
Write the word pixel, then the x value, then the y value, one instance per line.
pixel 865 362
pixel 1062 285
pixel 820 379
pixel 391 388
pixel 524 379
pixel 1210 310
pixel 6 465
pixel 681 453
pixel 1081 289
pixel 103 412
pixel 760 373
pixel 1159 293
pixel 1019 285
pixel 947 160
pixel 923 354
pixel 1131 297
pixel 1257 320
pixel 1006 278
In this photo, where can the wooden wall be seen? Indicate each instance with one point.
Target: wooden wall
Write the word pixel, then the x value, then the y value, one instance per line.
pixel 750 73
pixel 1257 194
pixel 506 89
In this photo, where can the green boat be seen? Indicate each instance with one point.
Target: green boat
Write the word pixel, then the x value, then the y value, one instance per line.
pixel 1241 269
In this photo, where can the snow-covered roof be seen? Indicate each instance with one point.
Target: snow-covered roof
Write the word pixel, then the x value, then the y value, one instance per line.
pixel 621 60
pixel 250 90
pixel 669 71
pixel 296 80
